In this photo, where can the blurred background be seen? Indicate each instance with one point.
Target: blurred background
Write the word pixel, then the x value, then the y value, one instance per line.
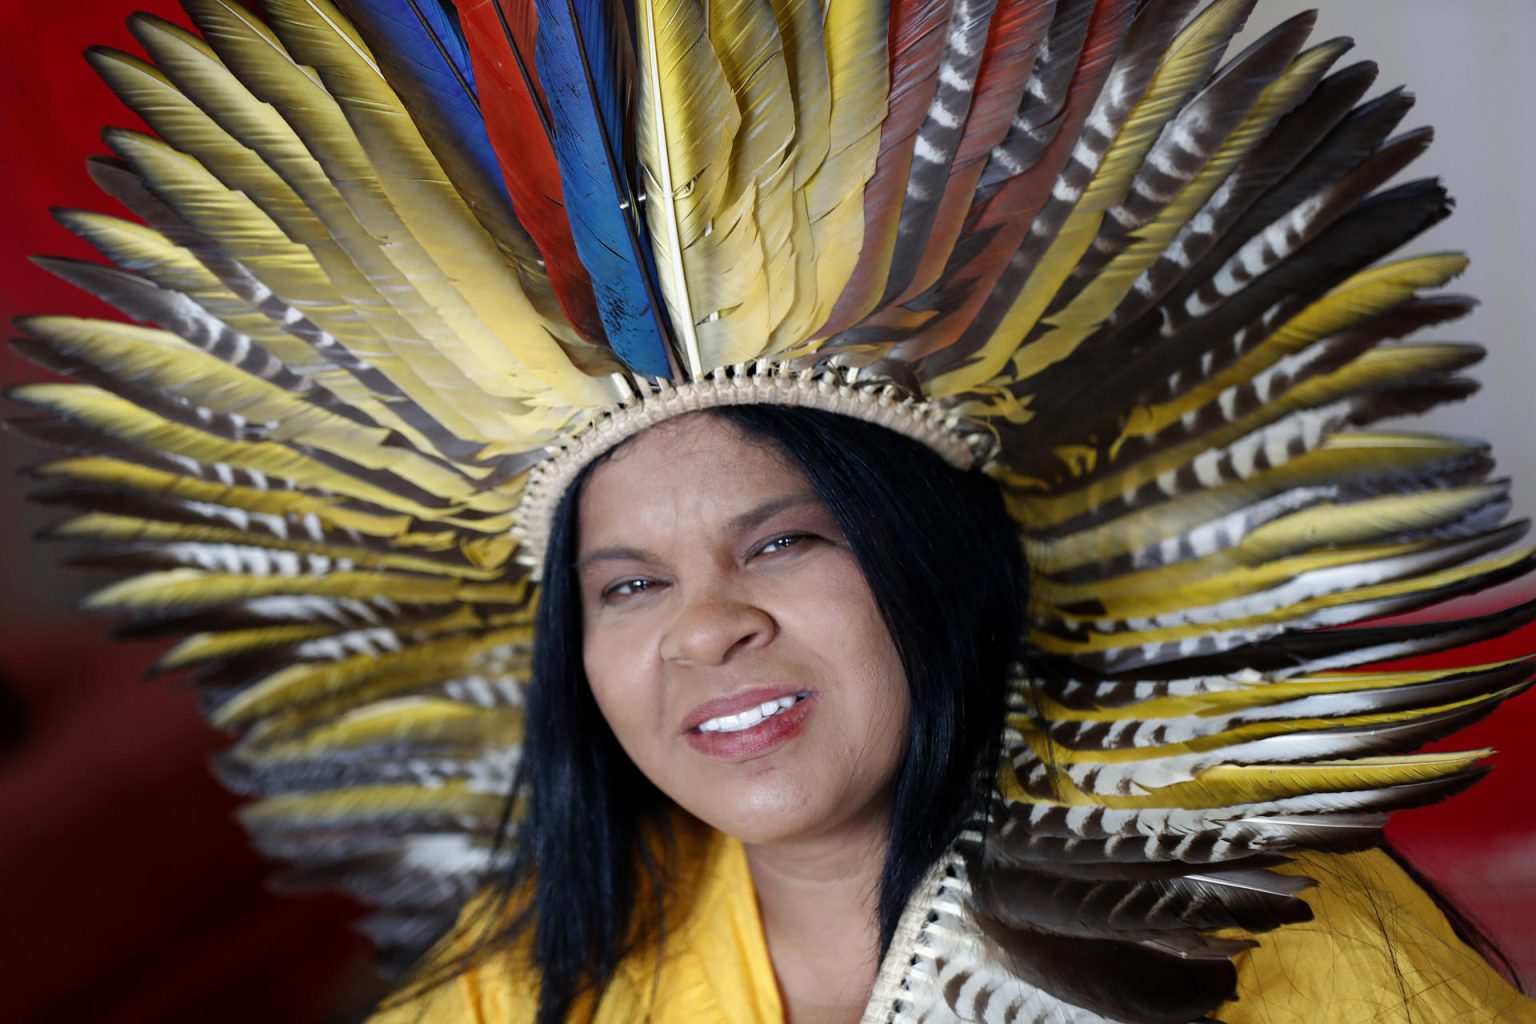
pixel 130 893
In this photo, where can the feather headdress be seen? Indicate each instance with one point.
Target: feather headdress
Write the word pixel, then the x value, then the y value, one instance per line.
pixel 397 268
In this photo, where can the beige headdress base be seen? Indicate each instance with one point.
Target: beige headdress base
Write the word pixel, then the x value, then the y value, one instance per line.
pixel 830 388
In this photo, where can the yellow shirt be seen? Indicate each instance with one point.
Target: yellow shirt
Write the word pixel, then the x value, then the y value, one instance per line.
pixel 1378 952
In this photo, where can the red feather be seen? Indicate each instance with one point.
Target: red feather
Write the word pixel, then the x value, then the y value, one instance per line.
pixel 917 29
pixel 512 103
pixel 1017 30
pixel 1011 211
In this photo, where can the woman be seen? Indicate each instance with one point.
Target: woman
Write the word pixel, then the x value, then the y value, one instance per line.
pixel 431 333
pixel 792 503
pixel 760 778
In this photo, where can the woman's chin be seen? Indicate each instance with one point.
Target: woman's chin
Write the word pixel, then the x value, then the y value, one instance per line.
pixel 774 811
pixel 767 828
pixel 760 811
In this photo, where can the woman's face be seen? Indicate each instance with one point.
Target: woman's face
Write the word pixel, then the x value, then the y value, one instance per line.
pixel 730 638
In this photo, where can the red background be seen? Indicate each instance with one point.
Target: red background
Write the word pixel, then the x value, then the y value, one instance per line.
pixel 130 893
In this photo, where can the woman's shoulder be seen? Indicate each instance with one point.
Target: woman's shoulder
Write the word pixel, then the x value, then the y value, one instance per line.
pixel 1378 949
pixel 714 966
pixel 469 976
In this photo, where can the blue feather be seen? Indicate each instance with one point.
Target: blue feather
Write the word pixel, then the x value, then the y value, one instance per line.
pixel 422 54
pixel 577 59
pixel 443 27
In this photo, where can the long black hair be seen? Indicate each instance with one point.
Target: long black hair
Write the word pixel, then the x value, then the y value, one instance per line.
pixel 943 560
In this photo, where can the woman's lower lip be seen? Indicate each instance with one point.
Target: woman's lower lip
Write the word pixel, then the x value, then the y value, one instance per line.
pixel 769 734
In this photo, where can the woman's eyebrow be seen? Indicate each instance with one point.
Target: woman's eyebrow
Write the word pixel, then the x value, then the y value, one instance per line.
pixel 753 518
pixel 613 554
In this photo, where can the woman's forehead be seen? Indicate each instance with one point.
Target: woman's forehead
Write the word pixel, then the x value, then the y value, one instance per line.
pixel 696 433
pixel 692 472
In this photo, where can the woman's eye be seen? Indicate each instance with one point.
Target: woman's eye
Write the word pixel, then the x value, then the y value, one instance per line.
pixel 783 543
pixel 627 588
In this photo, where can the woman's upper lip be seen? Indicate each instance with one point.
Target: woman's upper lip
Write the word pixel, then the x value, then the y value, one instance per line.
pixel 735 704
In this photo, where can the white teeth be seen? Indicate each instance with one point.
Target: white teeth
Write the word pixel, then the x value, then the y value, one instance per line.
pixel 750 717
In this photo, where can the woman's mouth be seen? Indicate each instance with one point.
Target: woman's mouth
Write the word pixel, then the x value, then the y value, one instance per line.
pixel 735 733
pixel 752 716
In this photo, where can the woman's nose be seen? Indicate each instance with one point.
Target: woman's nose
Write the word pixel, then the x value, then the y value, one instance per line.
pixel 712 627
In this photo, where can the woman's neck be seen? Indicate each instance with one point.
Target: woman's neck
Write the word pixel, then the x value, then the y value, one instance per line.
pixel 818 899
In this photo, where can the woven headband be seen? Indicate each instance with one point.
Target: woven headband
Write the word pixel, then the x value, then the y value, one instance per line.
pixel 827 388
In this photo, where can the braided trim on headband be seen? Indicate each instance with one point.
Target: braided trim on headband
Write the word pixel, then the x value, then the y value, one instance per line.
pixel 959 441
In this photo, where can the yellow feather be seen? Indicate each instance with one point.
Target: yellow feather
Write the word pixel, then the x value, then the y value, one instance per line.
pixel 727 242
pixel 432 722
pixel 306 682
pixel 146 252
pixel 1365 295
pixel 858 78
pixel 1364 521
pixel 295 506
pixel 292 272
pixel 805 60
pixel 734 333
pixel 1373 369
pixel 1196 584
pixel 1417 585
pixel 680 34
pixel 173 366
pixel 746 37
pixel 120 418
pixel 1254 695
pixel 180 122
pixel 1235 785
pixel 452 800
pixel 1057 753
pixel 1272 552
pixel 105 526
pixel 206 646
pixel 1340 458
pixel 503 666
pixel 244 230
pixel 174 588
pixel 801 34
